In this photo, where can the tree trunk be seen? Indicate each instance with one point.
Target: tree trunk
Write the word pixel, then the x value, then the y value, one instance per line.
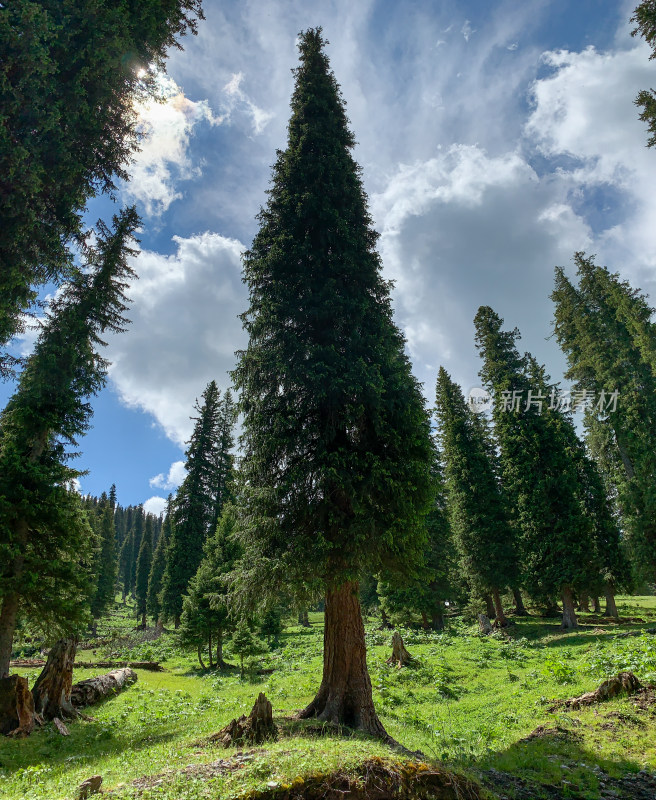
pixel 437 620
pixel 500 617
pixel 385 624
pixel 93 690
pixel 7 627
pixel 303 619
pixel 584 601
pixel 210 648
pixel 569 612
pixel 596 605
pixel 52 690
pixel 220 663
pixel 144 624
pixel 489 605
pixel 16 706
pixel 200 658
pixel 344 696
pixel 424 621
pixel 611 608
pixel 520 608
pixel 176 621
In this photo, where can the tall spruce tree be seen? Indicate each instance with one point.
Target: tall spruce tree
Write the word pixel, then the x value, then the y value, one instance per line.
pixel 538 466
pixel 224 459
pixel 70 73
pixel 337 447
pixel 604 328
pixel 644 17
pixel 477 507
pixel 106 564
pixel 44 535
pixel 144 563
pixel 156 577
pixel 194 505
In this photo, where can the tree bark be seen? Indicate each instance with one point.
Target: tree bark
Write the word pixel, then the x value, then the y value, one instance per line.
pixel 520 608
pixel 200 657
pixel 7 627
pixel 424 621
pixel 93 690
pixel 489 606
pixel 16 706
pixel 400 655
pixel 596 605
pixel 437 621
pixel 569 612
pixel 220 663
pixel 584 601
pixel 384 621
pixel 500 617
pixel 303 619
pixel 611 607
pixel 52 690
pixel 345 697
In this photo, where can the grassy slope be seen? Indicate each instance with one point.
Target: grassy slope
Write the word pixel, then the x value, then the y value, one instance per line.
pixel 467 703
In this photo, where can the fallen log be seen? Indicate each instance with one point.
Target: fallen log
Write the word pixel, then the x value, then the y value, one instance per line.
pixel 252 729
pixel 622 683
pixel 93 690
pixel 153 666
pixel 16 706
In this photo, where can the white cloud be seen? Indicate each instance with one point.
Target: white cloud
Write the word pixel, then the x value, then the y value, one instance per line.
pixel 184 329
pixel 176 475
pixel 163 159
pixel 155 505
pixel 238 99
pixel 467 31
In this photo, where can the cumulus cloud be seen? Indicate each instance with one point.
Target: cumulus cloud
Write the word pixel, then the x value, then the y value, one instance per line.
pixel 155 505
pixel 176 475
pixel 184 329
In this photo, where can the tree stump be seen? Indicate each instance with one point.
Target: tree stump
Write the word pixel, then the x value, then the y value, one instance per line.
pixel 90 786
pixel 484 625
pixel 93 690
pixel 623 682
pixel 400 655
pixel 16 706
pixel 252 729
pixel 52 690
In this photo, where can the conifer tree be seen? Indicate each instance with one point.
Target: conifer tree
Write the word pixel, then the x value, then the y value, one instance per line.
pixel 477 507
pixel 337 448
pixel 225 460
pixel 156 577
pixel 44 534
pixel 139 521
pixel 144 563
pixel 106 565
pixel 194 505
pixel 604 328
pixel 644 17
pixel 70 73
pixel 125 558
pixel 538 467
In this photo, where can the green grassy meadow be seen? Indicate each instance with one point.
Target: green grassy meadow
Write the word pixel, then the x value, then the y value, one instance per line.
pixel 467 703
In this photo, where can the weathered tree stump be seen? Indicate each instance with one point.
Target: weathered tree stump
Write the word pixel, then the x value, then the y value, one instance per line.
pixel 484 625
pixel 400 655
pixel 90 786
pixel 252 729
pixel 93 690
pixel 16 706
pixel 623 682
pixel 52 690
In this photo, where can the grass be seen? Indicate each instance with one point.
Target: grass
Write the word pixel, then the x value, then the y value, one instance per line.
pixel 467 703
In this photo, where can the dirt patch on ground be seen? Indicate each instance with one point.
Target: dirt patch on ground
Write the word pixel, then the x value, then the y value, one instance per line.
pixel 544 732
pixel 374 780
pixel 645 698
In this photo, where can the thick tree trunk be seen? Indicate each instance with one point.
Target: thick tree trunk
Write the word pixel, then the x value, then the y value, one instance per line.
pixel 596 605
pixel 52 690
pixel 93 690
pixel 569 612
pixel 437 621
pixel 200 657
pixel 489 607
pixel 344 696
pixel 16 706
pixel 7 627
pixel 584 601
pixel 520 608
pixel 611 608
pixel 500 617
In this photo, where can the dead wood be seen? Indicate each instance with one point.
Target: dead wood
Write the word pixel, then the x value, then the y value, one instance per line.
pixel 93 690
pixel 400 656
pixel 622 683
pixel 255 728
pixel 60 726
pixel 484 625
pixel 90 786
pixel 52 690
pixel 16 706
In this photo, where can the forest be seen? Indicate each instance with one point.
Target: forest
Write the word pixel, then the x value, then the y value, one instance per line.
pixel 361 587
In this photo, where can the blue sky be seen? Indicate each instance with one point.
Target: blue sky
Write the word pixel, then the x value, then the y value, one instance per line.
pixel 496 139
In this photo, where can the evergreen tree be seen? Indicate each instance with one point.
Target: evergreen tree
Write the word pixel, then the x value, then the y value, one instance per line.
pixel 644 17
pixel 139 521
pixel 477 507
pixel 106 565
pixel 337 449
pixel 194 505
pixel 112 496
pixel 156 577
pixel 225 460
pixel 271 625
pixel 538 467
pixel 604 328
pixel 70 73
pixel 244 644
pixel 44 534
pixel 144 563
pixel 125 560
pixel 205 615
